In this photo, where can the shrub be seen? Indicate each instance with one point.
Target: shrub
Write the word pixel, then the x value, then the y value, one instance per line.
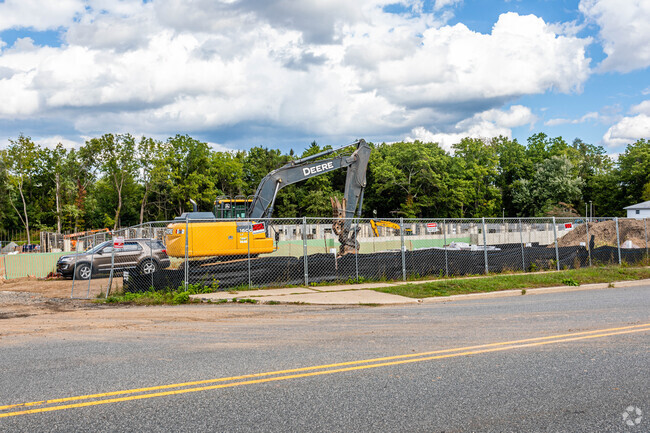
pixel 181 298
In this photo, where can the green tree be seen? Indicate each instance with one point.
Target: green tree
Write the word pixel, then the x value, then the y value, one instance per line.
pixel 479 160
pixel 117 158
pixel 514 164
pixel 553 183
pixel 634 169
pixel 20 161
pixel 55 161
pixel 190 173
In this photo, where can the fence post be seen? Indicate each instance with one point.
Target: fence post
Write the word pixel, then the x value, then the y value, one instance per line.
pixel 187 249
pixel 521 242
pixel 356 250
pixel 304 249
pixel 444 236
pixel 152 239
pixel 248 242
pixel 110 277
pixel 401 235
pixel 74 275
pixel 557 252
pixel 92 260
pixel 588 243
pixel 487 270
pixel 645 229
pixel 7 272
pixel 618 241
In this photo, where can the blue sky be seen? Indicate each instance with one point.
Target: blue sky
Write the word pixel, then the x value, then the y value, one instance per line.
pixel 282 74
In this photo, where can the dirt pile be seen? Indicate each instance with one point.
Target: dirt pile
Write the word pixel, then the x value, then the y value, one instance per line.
pixel 604 234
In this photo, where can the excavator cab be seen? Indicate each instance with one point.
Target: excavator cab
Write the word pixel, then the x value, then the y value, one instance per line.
pixel 231 208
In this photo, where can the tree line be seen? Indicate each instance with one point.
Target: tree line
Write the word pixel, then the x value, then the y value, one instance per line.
pixel 118 180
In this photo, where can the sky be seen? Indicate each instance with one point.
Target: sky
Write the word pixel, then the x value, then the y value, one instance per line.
pixel 281 74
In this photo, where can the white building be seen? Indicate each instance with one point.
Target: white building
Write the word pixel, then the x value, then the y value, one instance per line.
pixel 639 210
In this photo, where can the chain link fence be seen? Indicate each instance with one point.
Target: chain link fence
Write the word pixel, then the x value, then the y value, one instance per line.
pixel 211 255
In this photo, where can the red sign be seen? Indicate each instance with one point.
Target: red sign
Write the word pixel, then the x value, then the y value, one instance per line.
pixel 258 228
pixel 118 243
pixel 432 225
pixel 568 226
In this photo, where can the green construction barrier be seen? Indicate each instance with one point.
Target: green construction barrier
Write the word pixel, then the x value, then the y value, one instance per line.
pixel 32 265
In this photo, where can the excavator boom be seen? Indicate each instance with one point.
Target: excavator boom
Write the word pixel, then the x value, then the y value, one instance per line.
pixel 303 169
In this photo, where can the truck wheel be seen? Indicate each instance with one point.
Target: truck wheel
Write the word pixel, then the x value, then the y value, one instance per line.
pixel 148 267
pixel 84 271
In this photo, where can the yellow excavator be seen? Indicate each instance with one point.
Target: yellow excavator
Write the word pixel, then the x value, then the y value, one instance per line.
pixel 374 224
pixel 232 229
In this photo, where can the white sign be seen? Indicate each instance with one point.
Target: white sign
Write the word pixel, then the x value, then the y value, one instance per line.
pixel 432 227
pixel 318 168
pixel 118 243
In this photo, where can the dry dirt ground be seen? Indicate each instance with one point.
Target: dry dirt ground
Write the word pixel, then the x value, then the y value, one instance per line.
pixel 33 308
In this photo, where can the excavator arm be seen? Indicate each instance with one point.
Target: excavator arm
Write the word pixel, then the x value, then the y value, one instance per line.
pixel 305 168
pixel 374 224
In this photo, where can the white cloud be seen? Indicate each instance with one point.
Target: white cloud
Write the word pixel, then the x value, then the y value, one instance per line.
pixel 37 14
pixel 624 31
pixel 452 64
pixel 52 142
pixel 439 4
pixel 642 108
pixel 488 124
pixel 629 129
pixel 315 68
pixel 561 121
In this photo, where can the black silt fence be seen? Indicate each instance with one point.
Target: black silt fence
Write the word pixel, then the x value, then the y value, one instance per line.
pixel 323 268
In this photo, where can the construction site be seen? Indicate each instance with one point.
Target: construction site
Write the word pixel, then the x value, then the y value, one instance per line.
pixel 240 244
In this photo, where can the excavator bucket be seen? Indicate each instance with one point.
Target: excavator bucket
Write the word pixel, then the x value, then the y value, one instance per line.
pixel 347 238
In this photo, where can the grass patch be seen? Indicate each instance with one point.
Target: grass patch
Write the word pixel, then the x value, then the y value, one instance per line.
pixel 573 277
pixel 161 297
pixel 244 301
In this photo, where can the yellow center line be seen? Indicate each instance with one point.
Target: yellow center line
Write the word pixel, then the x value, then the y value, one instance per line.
pixel 295 370
pixel 420 357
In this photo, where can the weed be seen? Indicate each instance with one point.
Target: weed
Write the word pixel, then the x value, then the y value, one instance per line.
pixel 570 282
pixel 523 291
pixel 181 298
pixel 245 301
pixel 273 302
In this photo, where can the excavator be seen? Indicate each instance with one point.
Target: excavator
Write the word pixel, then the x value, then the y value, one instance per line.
pixel 374 224
pixel 212 235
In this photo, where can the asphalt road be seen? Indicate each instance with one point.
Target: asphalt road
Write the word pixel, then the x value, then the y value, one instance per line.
pixel 572 361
